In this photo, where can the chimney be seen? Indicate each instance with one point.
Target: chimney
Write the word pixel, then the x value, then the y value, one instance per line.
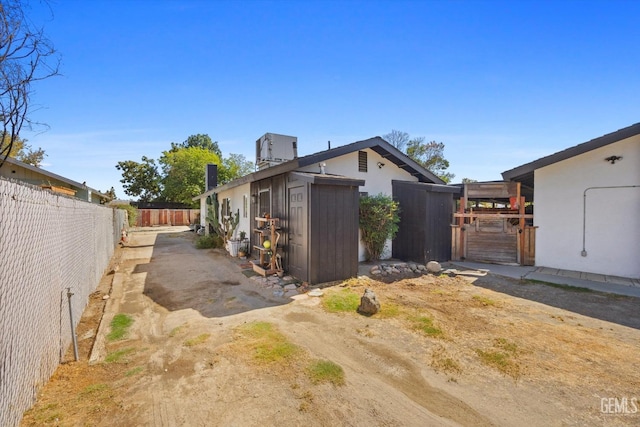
pixel 211 176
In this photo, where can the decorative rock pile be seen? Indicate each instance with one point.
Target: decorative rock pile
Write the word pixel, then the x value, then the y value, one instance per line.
pixel 402 268
pixel 282 287
pixel 287 286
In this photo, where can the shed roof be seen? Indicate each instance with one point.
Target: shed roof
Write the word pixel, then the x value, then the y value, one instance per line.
pixel 524 173
pixel 377 144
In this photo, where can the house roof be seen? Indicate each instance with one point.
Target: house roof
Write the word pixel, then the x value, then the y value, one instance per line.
pixel 377 144
pixel 524 173
pixel 11 160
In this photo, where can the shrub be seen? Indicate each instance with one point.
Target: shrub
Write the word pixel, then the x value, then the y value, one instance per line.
pixel 209 241
pixel 379 218
pixel 132 212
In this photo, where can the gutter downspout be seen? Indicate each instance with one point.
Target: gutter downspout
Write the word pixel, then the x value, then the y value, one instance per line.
pixel 584 211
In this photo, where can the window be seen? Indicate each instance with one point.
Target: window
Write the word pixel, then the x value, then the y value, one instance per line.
pixel 245 206
pixel 226 207
pixel 264 202
pixel 362 161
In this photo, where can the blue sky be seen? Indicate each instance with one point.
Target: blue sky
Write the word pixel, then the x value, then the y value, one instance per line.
pixel 500 83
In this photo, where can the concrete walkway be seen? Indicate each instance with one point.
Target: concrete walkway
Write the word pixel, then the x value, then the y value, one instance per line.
pixel 596 282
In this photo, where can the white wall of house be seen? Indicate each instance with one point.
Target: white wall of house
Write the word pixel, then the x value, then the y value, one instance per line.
pixel 239 196
pixel 377 179
pixel 612 227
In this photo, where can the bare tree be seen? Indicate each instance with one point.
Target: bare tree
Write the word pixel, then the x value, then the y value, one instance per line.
pixel 397 138
pixel 26 56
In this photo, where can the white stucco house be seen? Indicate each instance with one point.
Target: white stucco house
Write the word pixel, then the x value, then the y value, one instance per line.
pixel 316 200
pixel 587 205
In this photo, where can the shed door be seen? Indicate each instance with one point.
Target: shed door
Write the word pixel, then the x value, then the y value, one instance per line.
pixel 298 265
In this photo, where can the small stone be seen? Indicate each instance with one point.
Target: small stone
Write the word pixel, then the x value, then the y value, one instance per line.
pixel 287 278
pixel 278 293
pixel 369 303
pixel 105 297
pixel 434 267
pixel 315 293
pixel 376 272
pixel 394 270
pixel 421 267
pixel 290 286
pixel 373 269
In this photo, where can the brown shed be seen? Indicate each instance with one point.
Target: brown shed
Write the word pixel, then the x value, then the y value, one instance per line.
pixel 319 214
pixel 424 232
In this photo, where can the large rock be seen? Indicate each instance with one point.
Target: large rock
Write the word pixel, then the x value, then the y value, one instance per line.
pixel 434 267
pixel 369 303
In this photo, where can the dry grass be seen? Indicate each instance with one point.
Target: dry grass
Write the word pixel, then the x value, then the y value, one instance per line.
pixel 265 343
pixel 197 340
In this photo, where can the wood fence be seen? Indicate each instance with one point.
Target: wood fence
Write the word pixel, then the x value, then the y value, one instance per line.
pixel 151 217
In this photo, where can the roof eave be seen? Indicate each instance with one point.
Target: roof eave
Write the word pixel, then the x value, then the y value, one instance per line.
pixel 528 168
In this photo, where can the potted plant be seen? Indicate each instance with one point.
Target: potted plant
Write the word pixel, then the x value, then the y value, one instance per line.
pixel 243 250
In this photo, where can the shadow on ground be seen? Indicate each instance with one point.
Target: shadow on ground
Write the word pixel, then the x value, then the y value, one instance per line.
pixel 179 276
pixel 619 309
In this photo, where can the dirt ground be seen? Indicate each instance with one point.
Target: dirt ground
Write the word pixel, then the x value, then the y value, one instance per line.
pixel 442 351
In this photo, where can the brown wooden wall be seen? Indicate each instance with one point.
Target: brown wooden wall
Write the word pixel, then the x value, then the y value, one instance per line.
pixel 425 222
pixel 333 222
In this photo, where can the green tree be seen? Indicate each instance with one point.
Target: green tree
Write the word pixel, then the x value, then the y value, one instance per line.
pixel 431 156
pixel 184 173
pixel 31 156
pixel 22 151
pixel 111 194
pixel 468 180
pixel 203 141
pixel 234 166
pixel 140 180
pixel 379 218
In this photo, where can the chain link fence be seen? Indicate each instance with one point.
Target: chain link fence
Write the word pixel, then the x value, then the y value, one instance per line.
pixel 48 243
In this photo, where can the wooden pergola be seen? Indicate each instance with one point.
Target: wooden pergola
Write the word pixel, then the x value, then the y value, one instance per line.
pixel 492 225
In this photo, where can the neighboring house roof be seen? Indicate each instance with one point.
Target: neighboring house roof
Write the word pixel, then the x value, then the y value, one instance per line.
pixel 524 173
pixel 377 144
pixel 51 175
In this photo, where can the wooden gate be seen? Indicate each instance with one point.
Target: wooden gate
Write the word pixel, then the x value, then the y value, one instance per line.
pixel 492 240
pixel 492 226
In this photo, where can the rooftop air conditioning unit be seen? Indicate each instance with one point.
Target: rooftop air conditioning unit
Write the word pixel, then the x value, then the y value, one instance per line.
pixel 273 149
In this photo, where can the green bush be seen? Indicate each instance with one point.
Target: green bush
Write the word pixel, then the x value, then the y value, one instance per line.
pixel 132 213
pixel 209 241
pixel 379 218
